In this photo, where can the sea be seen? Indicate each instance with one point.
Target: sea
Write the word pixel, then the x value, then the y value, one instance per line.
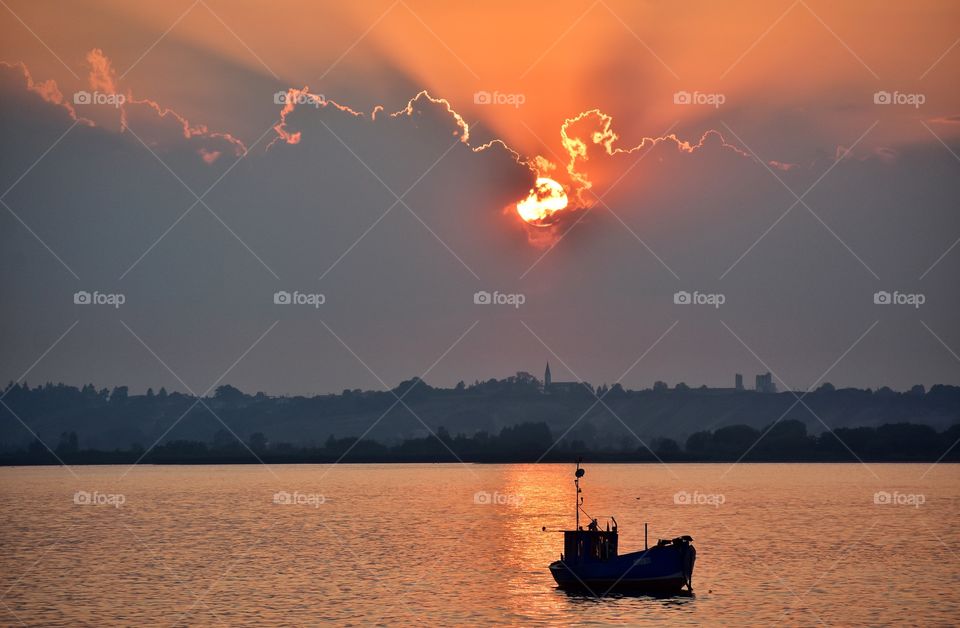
pixel 469 544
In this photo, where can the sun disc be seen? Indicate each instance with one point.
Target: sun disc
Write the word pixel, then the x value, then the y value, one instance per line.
pixel 545 198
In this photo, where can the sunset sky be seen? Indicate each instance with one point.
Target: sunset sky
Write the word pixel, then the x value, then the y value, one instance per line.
pixel 388 183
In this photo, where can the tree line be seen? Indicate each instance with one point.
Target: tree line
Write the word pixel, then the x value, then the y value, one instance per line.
pixel 783 441
pixel 117 419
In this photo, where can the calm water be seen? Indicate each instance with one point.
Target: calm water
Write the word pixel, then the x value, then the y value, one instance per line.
pixel 410 544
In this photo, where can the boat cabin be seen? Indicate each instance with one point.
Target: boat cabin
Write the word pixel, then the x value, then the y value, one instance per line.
pixel 589 545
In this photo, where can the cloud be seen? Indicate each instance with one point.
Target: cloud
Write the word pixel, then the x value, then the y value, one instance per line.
pixel 421 104
pixel 155 117
pixel 102 76
pixel 585 138
pixel 399 277
pixel 46 90
pixel 150 120
pixel 291 98
pixel 949 119
pixel 594 129
pixel 883 154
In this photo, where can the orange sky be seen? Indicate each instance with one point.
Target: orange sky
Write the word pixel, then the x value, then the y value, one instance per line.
pixel 794 82
pixel 626 58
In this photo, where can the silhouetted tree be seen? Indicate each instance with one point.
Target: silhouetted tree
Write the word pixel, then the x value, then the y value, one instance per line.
pixel 668 448
pixel 228 394
pixel 69 444
pixel 733 440
pixel 413 389
pixel 699 444
pixel 224 440
pixel 258 442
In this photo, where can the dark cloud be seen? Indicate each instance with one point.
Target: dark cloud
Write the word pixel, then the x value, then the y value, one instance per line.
pixel 399 284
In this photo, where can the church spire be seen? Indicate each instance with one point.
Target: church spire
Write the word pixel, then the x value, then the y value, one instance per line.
pixel 546 377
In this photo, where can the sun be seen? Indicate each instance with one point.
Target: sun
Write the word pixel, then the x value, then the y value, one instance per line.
pixel 545 198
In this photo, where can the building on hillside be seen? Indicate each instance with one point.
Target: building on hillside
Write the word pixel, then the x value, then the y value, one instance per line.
pixel 765 383
pixel 552 387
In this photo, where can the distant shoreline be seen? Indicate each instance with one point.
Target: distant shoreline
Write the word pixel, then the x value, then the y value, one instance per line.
pixel 596 459
pixel 519 417
pixel 526 443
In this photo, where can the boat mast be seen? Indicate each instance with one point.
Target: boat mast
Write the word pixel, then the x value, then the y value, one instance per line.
pixel 576 482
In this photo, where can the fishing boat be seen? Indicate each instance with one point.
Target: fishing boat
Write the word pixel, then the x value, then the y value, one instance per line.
pixel 591 560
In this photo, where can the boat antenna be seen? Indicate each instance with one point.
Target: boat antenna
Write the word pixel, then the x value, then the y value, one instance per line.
pixel 576 481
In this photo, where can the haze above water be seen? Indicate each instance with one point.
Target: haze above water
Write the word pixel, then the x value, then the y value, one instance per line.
pixel 456 544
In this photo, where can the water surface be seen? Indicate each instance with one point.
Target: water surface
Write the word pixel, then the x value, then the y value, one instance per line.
pixel 804 544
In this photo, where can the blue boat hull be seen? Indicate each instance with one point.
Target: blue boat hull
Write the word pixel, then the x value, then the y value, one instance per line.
pixel 662 569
